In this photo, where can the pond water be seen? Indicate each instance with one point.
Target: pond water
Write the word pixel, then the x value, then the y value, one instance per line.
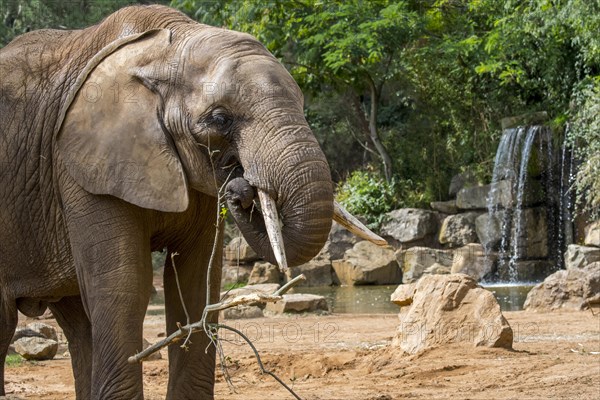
pixel 376 299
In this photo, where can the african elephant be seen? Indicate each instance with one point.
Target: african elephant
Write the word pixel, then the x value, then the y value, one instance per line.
pixel 123 138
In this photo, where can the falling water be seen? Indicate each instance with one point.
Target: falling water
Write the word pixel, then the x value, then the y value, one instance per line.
pixel 512 163
pixel 565 214
pixel 517 245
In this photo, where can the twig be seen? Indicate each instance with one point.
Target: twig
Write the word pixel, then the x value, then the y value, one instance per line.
pixel 187 315
pixel 258 359
pixel 199 325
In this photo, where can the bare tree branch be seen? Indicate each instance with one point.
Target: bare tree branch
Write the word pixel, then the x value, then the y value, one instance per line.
pixel 199 325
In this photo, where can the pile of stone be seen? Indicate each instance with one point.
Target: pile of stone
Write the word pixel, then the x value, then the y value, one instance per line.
pixel 445 309
pixel 36 341
pixel 241 264
pixel 291 303
pixel 578 286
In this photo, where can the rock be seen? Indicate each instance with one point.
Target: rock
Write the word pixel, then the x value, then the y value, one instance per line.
pixel 458 230
pixel 239 249
pixel 579 256
pixel 471 260
pixel 340 240
pixel 36 329
pixel 489 229
pixel 366 264
pixel 154 356
pixel 437 269
pixel 571 289
pixel 526 270
pixel 445 207
pixel 36 348
pixel 298 302
pixel 409 224
pixel 403 295
pixel 460 181
pixel 318 272
pixel 592 234
pixel 416 260
pixel 268 288
pixel 450 309
pixel 242 312
pixel 532 235
pixel 264 272
pixel 535 118
pixel 232 274
pixel 476 198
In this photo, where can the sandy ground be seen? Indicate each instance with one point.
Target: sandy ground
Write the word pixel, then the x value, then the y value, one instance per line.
pixel 346 357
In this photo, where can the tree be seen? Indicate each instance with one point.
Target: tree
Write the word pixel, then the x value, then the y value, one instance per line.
pixel 354 47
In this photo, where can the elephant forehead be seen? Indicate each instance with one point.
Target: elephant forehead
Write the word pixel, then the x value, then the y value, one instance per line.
pixel 234 66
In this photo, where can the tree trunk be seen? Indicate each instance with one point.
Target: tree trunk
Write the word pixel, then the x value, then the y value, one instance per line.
pixel 374 134
pixel 368 127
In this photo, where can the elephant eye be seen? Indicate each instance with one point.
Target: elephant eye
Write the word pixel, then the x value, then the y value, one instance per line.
pixel 220 119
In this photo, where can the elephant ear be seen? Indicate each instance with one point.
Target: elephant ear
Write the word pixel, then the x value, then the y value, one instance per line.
pixel 109 133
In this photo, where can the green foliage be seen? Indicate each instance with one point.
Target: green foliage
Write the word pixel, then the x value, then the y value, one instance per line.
pixel 367 194
pixel 158 259
pixel 584 135
pixel 14 360
pixel 235 285
pixel 20 16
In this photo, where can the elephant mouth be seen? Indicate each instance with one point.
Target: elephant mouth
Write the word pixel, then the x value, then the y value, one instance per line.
pixel 264 216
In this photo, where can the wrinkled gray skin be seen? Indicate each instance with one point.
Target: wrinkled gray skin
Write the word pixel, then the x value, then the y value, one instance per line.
pixel 106 137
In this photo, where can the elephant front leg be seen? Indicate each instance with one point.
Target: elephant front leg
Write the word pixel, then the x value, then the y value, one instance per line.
pixel 191 371
pixel 8 324
pixel 112 255
pixel 70 315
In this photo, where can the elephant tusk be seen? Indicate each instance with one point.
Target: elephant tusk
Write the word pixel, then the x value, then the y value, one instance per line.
pixel 349 221
pixel 269 212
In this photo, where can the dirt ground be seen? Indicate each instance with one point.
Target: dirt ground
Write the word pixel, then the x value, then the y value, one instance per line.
pixel 343 356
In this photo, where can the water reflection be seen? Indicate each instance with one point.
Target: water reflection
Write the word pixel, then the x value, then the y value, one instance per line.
pixel 510 296
pixel 356 299
pixel 376 299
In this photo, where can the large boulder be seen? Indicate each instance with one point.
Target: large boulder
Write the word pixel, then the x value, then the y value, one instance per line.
pixel 409 224
pixel 297 303
pixel 36 348
pixel 445 207
pixel 592 234
pixel 239 250
pixel 471 260
pixel 443 309
pixel 460 181
pixel 36 329
pixel 458 230
pixel 525 270
pixel 367 264
pixel 532 233
pixel 570 289
pixel 579 256
pixel 318 272
pixel 489 229
pixel 480 197
pixel 264 272
pixel 340 240
pixel 403 295
pixel 232 274
pixel 415 261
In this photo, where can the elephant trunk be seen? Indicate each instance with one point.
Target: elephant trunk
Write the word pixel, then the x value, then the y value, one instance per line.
pixel 293 186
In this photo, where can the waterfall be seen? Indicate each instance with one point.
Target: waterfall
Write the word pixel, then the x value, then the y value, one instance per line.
pixel 531 236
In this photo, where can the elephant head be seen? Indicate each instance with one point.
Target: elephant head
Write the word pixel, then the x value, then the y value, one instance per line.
pixel 163 112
